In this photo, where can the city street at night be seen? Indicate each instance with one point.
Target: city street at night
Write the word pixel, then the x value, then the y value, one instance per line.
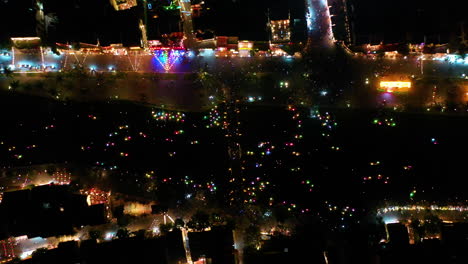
pixel 233 132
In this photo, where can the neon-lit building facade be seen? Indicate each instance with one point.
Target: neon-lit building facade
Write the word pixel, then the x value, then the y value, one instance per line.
pixel 280 30
pixel 61 178
pixel 341 20
pixel 7 249
pixel 319 24
pixel 245 47
pixel 186 18
pixel 123 4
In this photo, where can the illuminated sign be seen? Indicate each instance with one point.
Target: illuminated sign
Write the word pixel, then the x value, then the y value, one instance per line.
pixel 395 86
pixel 245 45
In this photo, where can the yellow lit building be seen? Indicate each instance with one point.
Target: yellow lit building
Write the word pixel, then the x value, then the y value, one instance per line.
pixel 245 47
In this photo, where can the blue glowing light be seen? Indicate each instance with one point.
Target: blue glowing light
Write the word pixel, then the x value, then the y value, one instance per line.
pixel 25 63
pixel 109 235
pixel 207 52
pixel 390 220
pixel 5 56
pixel 310 18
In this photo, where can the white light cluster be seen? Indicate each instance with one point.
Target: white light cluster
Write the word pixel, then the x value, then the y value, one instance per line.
pixel 421 208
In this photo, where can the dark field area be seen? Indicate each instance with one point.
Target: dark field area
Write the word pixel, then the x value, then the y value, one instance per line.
pixel 422 152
